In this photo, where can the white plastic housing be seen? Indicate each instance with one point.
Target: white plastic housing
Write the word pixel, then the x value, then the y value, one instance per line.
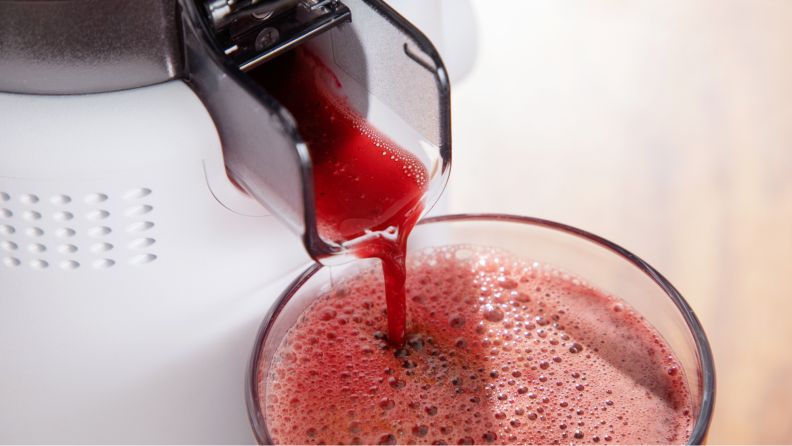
pixel 133 274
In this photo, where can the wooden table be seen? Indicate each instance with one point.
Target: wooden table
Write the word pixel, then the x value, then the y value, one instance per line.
pixel 665 127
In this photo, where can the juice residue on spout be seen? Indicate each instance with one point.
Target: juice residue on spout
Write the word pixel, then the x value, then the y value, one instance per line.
pixel 369 192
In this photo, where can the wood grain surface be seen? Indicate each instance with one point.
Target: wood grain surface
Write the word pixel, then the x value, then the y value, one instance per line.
pixel 665 127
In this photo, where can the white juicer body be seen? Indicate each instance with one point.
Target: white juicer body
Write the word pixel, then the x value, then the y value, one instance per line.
pixel 133 274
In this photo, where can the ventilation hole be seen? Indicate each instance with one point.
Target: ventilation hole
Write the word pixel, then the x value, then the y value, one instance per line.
pixel 69 265
pixel 63 216
pixel 138 210
pixel 61 199
pixel 134 194
pixel 29 199
pixel 7 230
pixel 39 264
pixel 103 263
pixel 9 246
pixel 67 249
pixel 140 226
pixel 95 198
pixel 142 259
pixel 34 232
pixel 10 261
pixel 5 213
pixel 101 247
pixel 65 232
pixel 4 196
pixel 97 215
pixel 99 231
pixel 31 215
pixel 37 247
pixel 141 243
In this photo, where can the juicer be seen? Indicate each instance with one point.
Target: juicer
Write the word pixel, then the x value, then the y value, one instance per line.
pixel 154 200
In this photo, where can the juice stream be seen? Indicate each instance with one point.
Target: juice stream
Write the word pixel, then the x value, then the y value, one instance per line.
pixel 367 189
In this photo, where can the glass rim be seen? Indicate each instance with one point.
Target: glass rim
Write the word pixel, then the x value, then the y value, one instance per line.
pixel 701 427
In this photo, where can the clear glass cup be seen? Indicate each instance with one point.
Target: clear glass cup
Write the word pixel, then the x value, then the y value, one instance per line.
pixel 596 260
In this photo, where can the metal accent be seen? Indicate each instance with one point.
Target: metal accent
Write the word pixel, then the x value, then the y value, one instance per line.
pixel 87 46
pixel 262 30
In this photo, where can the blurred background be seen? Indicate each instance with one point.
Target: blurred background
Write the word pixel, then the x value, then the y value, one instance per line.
pixel 665 127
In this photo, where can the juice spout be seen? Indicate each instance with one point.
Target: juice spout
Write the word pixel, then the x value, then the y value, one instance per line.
pixel 335 116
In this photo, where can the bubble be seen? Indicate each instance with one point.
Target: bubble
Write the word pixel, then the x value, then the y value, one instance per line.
pixel 386 439
pixel 295 402
pixel 420 430
pixel 354 426
pixel 355 440
pixel 327 313
pixel 500 415
pixel 516 374
pixel 492 313
pixel 494 374
pixel 576 375
pixel 446 430
pixel 380 336
pixel 465 440
pixel 489 436
pixel 672 371
pixel 519 411
pixel 311 432
pixel 556 359
pixel 575 348
pixel 540 321
pixel 416 343
pixel 608 438
pixel 430 410
pixel 531 416
pixel 544 365
pixel 387 404
pixel 578 435
pixel 419 298
pixel 409 364
pixel 579 387
pixel 522 390
pixel 456 320
pixel 460 343
pixel 401 353
pixel 618 308
pixel 515 423
pixel 396 383
pixel 595 439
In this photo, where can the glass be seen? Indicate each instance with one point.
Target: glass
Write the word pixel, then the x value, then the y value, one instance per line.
pixel 596 260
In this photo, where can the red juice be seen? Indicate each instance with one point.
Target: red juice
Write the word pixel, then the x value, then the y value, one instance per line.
pixel 368 190
pixel 501 350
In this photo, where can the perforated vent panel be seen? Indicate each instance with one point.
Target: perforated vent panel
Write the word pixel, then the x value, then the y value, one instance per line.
pixel 71 231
